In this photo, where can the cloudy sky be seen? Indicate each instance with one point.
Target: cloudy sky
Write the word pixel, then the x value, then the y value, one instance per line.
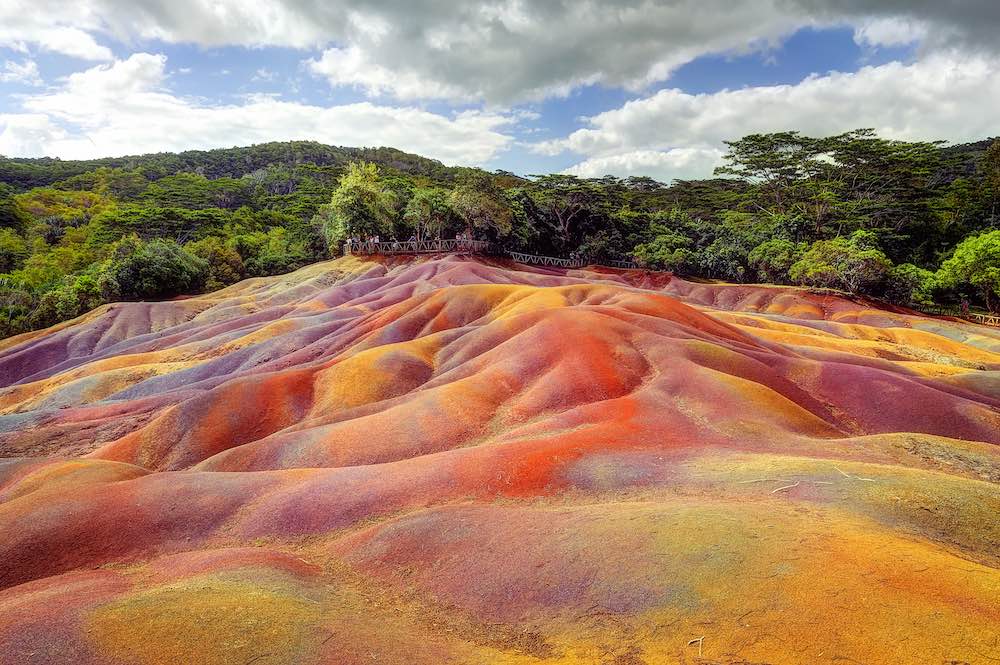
pixel 619 86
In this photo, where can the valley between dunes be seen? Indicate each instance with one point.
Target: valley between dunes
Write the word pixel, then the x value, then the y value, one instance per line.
pixel 458 460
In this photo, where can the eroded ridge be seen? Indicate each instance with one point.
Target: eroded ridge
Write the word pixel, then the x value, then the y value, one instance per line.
pixel 469 460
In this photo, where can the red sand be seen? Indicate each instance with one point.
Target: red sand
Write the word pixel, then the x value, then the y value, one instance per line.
pixel 452 460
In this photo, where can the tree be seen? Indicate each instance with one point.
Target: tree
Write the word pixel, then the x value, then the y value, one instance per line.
pixel 841 183
pixel 990 168
pixel 669 250
pixel 17 302
pixel 853 264
pixel 149 221
pixel 225 265
pixel 11 214
pixel 976 262
pixel 13 250
pixel 884 184
pixel 195 191
pixel 138 270
pixel 907 284
pixel 116 183
pixel 71 207
pixel 568 201
pixel 774 163
pixel 772 259
pixel 360 206
pixel 272 253
pixel 726 255
pixel 480 204
pixel 428 212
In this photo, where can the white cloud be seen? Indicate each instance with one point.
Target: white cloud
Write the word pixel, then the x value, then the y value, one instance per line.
pixel 352 66
pixel 27 134
pixel 264 74
pixel 513 51
pixel 944 96
pixel 124 108
pixel 25 72
pixel 664 165
pixel 500 51
pixel 890 32
pixel 52 26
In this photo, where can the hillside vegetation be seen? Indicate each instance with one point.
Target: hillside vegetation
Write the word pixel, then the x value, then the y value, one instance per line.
pixel 911 222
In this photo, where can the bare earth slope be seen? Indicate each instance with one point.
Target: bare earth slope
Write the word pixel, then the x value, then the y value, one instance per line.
pixel 459 461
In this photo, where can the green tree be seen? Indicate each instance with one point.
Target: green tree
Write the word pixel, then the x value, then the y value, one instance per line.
pixel 13 250
pixel 480 204
pixel 17 302
pixel 670 248
pixel 360 206
pixel 990 169
pixel 774 164
pixel 225 265
pixel 271 253
pixel 138 270
pixel 854 264
pixel 976 262
pixel 428 212
pixel 907 284
pixel 117 183
pixel 772 259
pixel 12 216
pixel 195 191
pixel 668 251
pixel 568 202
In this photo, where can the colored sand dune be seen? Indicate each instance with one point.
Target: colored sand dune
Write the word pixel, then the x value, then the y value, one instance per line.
pixel 464 461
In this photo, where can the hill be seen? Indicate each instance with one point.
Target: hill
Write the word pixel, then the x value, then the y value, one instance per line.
pixel 468 460
pixel 26 173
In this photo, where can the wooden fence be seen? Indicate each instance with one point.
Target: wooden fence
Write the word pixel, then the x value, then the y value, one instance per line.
pixel 984 319
pixel 475 247
pixel 418 247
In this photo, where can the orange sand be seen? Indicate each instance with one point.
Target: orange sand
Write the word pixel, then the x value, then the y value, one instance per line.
pixel 465 461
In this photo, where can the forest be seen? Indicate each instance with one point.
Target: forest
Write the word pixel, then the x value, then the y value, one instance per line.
pixel 911 223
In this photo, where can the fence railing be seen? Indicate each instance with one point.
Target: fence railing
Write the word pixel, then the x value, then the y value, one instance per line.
pixel 553 261
pixel 476 247
pixel 956 312
pixel 985 319
pixel 417 247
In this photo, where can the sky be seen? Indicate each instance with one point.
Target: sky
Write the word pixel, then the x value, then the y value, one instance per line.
pixel 620 87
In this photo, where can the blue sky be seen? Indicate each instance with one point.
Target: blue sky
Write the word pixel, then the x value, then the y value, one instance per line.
pixel 633 87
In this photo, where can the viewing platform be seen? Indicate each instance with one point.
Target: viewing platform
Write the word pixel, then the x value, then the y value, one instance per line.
pixel 483 247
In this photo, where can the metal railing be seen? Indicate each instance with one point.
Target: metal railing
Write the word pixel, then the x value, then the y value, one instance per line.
pixel 476 247
pixel 552 261
pixel 417 247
